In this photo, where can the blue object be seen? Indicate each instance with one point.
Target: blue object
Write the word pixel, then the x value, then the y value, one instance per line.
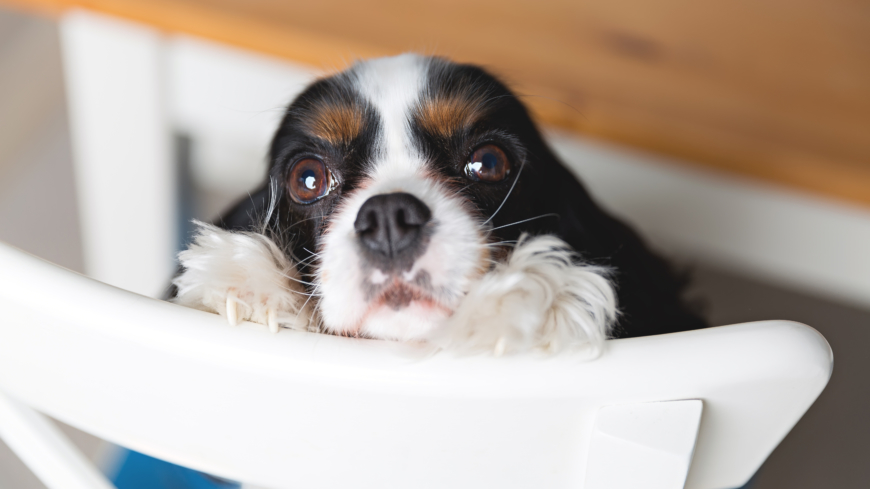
pixel 139 471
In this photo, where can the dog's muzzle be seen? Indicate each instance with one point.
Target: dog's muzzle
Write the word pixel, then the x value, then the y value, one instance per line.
pixel 392 230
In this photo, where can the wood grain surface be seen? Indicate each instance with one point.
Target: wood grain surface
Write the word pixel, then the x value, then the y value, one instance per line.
pixel 777 90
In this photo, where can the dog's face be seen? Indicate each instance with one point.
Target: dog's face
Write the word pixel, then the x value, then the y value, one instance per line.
pixel 393 181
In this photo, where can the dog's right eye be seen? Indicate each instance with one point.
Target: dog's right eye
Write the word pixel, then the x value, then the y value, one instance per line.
pixel 488 163
pixel 310 180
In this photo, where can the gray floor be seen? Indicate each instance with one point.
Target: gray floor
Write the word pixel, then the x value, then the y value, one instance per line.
pixel 830 446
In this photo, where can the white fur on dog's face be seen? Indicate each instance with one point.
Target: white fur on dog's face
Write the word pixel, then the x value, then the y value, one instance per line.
pixel 377 169
pixel 352 289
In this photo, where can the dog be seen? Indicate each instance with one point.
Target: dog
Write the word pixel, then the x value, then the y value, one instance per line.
pixel 412 198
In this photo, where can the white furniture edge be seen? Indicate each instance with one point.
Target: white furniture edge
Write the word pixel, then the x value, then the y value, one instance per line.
pixel 779 235
pixel 647 445
pixel 45 449
pixel 304 408
pixel 122 153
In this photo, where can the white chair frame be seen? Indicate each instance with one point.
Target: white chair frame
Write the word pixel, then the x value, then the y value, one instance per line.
pixel 700 410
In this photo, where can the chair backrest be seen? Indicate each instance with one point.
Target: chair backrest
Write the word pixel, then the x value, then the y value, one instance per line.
pixel 310 410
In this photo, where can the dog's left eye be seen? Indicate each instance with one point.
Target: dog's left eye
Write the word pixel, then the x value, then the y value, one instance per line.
pixel 488 163
pixel 309 181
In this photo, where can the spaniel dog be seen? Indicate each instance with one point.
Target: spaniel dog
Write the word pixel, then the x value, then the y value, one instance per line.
pixel 412 198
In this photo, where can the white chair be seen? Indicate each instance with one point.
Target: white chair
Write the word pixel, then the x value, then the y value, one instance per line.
pixel 701 409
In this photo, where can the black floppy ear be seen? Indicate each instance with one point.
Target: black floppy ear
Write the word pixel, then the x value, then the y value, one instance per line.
pixel 649 291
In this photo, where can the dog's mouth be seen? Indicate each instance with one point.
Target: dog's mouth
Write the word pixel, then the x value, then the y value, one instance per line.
pixel 399 295
pixel 400 291
pixel 399 306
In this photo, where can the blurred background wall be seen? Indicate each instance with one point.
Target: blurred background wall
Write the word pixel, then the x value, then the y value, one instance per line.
pixel 37 200
pixel 769 241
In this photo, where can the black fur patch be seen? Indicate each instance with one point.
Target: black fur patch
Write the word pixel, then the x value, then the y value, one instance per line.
pixel 330 121
pixel 461 108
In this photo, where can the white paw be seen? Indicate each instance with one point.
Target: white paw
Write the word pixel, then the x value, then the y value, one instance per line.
pixel 243 277
pixel 259 308
pixel 539 299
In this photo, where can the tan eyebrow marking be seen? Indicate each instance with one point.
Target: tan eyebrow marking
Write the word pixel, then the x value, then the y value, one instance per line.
pixel 446 114
pixel 336 123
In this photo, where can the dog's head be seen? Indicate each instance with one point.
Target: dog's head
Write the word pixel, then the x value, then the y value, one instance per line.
pixel 399 181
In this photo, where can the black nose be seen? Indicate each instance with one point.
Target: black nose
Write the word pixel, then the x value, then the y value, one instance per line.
pixel 390 226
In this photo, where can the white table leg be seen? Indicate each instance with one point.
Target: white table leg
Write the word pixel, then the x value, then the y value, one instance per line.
pixel 125 174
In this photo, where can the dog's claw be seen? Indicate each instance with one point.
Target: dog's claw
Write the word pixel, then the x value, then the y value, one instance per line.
pixel 272 320
pixel 499 347
pixel 232 309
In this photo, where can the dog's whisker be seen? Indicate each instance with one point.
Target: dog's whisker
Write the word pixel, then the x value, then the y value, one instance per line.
pixel 288 277
pixel 498 243
pixel 311 252
pixel 552 214
pixel 307 260
pixel 313 293
pixel 273 201
pixel 306 294
pixel 287 231
pixel 305 304
pixel 514 184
